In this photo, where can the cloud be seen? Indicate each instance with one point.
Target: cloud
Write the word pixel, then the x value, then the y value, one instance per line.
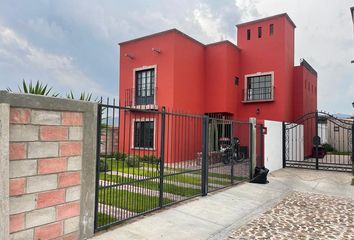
pixel 60 69
pixel 73 44
pixel 324 37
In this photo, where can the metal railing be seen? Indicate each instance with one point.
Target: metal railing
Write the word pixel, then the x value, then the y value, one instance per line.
pixel 162 158
pixel 146 97
pixel 259 94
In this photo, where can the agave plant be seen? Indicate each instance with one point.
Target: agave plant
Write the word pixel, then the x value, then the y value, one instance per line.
pixel 83 96
pixel 38 89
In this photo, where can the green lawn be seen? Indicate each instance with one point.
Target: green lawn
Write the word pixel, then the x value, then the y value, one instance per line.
pixel 148 170
pixel 154 185
pixel 103 219
pixel 134 202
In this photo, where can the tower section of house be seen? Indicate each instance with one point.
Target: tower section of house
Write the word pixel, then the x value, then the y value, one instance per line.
pixel 304 90
pixel 267 61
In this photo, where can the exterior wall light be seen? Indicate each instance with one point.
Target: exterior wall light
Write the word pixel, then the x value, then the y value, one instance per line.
pixel 158 50
pixel 258 111
pixel 236 80
pixel 128 55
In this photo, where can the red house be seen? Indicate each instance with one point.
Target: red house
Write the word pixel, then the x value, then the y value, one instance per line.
pixel 255 78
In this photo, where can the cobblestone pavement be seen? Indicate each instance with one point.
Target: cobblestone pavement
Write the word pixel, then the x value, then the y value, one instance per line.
pixel 302 216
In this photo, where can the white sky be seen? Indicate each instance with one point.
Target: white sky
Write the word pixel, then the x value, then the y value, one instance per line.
pixel 72 45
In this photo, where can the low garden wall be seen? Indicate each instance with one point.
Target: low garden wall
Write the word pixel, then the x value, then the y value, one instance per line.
pixel 48 155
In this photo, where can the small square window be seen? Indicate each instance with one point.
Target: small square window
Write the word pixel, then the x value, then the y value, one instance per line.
pixel 144 134
pixel 271 29
pixel 259 32
pixel 248 34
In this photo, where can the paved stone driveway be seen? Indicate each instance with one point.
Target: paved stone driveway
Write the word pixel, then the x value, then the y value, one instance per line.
pixel 302 216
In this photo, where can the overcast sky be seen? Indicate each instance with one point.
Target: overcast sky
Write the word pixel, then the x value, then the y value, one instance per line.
pixel 72 45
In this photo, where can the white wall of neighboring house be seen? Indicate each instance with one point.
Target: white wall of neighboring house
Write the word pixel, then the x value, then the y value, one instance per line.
pixel 273 145
pixel 296 143
pixel 323 132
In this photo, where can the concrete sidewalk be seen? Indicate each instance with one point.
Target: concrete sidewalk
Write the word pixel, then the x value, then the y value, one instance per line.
pixel 211 217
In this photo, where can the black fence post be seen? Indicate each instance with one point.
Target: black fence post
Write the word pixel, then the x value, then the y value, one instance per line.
pixel 316 143
pixel 251 150
pixel 205 143
pixel 353 148
pixel 232 161
pixel 261 142
pixel 98 149
pixel 162 155
pixel 284 144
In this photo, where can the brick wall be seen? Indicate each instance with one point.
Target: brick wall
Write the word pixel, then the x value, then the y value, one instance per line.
pixel 45 169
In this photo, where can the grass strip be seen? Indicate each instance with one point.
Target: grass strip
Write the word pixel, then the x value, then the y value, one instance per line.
pixel 103 219
pixel 153 185
pixel 133 202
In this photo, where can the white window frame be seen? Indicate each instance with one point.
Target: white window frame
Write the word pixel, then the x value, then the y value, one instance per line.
pixel 133 131
pixel 246 87
pixel 146 106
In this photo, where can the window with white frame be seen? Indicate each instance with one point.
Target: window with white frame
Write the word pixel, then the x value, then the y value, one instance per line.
pixel 259 87
pixel 144 134
pixel 145 86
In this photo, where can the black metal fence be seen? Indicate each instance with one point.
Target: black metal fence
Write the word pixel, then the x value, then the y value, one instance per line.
pixel 159 158
pixel 319 140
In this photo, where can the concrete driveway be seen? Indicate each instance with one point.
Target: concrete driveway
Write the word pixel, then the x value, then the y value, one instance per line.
pixel 221 213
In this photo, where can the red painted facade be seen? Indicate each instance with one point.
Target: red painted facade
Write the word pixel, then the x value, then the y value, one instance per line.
pixel 215 78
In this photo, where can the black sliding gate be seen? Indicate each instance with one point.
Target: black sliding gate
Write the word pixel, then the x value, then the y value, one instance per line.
pixel 319 140
pixel 148 159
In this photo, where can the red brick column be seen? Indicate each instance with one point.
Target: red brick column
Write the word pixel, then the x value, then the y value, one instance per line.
pixel 45 155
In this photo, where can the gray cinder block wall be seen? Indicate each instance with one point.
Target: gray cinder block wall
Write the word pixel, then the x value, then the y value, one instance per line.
pixel 48 160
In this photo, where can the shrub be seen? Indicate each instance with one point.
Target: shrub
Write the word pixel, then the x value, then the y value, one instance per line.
pixel 132 161
pixel 103 166
pixel 150 159
pixel 119 155
pixel 328 147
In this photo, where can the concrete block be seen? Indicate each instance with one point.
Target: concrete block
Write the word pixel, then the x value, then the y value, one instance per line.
pixel 17 186
pixel 23 133
pixel 23 168
pixel 42 149
pixel 75 133
pixel 23 235
pixel 72 118
pixel 40 217
pixel 51 198
pixel 72 193
pixel 17 151
pixel 71 225
pixel 22 203
pixel 74 163
pixel 70 148
pixel 41 183
pixel 17 222
pixel 45 117
pixel 49 231
pixel 68 210
pixel 68 179
pixel 53 133
pixel 20 115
